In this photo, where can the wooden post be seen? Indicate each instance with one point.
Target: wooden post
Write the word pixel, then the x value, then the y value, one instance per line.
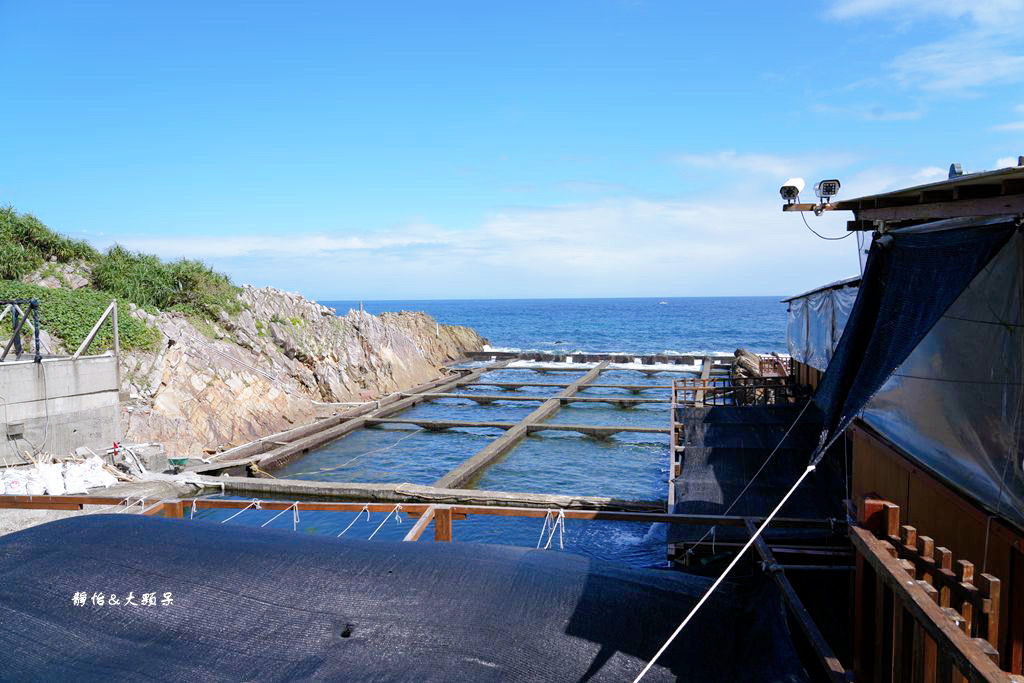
pixel 443 523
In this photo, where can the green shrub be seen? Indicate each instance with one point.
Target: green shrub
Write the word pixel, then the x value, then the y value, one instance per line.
pixel 185 285
pixel 70 314
pixel 25 244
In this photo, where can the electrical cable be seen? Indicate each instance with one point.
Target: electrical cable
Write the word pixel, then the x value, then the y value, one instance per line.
pixel 831 239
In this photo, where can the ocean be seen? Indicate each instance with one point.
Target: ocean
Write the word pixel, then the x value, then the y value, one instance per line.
pixel 630 465
pixel 683 325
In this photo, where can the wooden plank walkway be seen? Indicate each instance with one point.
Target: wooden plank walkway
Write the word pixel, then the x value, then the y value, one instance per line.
pixel 294 489
pixel 519 385
pixel 486 399
pixel 549 357
pixel 600 431
pixel 466 471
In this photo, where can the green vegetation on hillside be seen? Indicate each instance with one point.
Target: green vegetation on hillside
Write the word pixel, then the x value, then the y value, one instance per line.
pixel 69 314
pixel 25 244
pixel 188 286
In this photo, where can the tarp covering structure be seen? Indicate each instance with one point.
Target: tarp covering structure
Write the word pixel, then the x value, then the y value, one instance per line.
pixel 911 278
pixel 957 402
pixel 255 604
pixel 726 446
pixel 815 322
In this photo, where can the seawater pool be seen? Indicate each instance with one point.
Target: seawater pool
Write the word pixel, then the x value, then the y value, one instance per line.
pixel 628 465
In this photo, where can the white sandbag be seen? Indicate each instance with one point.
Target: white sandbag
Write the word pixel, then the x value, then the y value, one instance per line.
pixel 34 484
pixel 75 477
pixel 96 475
pixel 14 482
pixel 53 478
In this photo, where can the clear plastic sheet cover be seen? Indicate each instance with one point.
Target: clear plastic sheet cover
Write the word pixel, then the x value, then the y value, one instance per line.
pixel 842 304
pixel 796 330
pixel 956 403
pixel 819 336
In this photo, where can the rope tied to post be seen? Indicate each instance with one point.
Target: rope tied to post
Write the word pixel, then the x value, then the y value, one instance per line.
pixel 553 521
pixel 366 509
pixel 295 517
pixel 255 505
pixel 397 512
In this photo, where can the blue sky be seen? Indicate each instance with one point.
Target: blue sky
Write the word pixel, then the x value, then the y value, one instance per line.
pixel 473 150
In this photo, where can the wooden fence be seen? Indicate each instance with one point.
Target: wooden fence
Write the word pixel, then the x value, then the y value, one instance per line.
pixel 919 614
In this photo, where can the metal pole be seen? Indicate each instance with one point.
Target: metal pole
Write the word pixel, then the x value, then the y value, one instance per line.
pixel 17 337
pixel 35 325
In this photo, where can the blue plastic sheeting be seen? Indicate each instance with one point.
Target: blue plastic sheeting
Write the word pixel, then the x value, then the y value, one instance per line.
pixel 255 604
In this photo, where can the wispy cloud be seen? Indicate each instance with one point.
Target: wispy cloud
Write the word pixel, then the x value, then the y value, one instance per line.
pixel 772 165
pixel 871 113
pixel 981 49
pixel 611 247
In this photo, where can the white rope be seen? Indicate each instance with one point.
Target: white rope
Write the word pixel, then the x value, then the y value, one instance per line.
pixel 398 518
pixel 141 501
pixel 255 505
pixel 559 524
pixel 543 529
pixel 192 511
pixel 123 501
pixel 295 522
pixel 553 521
pixel 366 509
pixel 720 579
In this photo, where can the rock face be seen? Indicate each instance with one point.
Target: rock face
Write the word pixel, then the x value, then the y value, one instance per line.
pixel 274 366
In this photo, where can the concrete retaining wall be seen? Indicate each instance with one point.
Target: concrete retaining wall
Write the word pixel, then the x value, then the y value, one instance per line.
pixel 59 405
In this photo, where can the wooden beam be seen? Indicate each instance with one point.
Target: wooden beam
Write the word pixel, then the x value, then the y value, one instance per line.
pixel 519 385
pixel 421 524
pixel 467 470
pixel 987 206
pixel 299 489
pixel 443 524
pixel 490 398
pixel 461 511
pixel 600 431
pixel 833 668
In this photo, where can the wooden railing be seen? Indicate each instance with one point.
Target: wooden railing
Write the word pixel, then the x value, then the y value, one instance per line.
pixel 918 614
pixel 734 391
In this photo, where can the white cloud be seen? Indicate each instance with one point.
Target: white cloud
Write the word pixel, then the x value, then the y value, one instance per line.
pixel 1006 162
pixel 775 166
pixel 616 247
pixel 983 47
pixel 1009 127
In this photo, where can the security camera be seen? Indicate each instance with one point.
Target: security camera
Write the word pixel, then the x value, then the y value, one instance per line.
pixel 826 189
pixel 791 189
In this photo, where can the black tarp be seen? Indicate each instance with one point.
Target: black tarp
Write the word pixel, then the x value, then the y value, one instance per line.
pixel 726 446
pixel 911 278
pixel 256 604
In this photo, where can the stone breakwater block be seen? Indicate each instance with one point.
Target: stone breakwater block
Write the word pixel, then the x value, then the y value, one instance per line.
pixel 153 457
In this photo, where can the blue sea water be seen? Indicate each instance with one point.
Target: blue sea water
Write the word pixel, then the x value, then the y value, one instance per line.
pixel 684 325
pixel 630 465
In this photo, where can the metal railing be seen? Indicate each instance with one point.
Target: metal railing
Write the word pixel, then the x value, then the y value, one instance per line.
pixel 18 321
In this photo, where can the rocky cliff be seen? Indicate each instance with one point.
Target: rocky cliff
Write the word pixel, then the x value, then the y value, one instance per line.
pixel 279 363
